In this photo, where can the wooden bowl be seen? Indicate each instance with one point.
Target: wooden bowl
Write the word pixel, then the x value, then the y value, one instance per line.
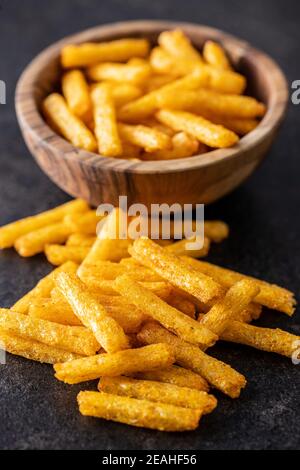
pixel 198 179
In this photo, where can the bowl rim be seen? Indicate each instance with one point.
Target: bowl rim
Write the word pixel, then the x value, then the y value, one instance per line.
pixel 30 117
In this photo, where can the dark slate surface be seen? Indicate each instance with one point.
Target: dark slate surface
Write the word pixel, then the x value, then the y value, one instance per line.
pixel 38 412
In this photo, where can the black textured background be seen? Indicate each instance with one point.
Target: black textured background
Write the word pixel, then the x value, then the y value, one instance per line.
pixel 38 412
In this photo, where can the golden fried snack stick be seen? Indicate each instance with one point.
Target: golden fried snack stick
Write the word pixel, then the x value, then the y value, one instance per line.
pixel 128 317
pixel 174 270
pixel 108 245
pixel 217 373
pixel 180 248
pixel 43 288
pixel 146 105
pixel 60 254
pixel 270 295
pixel 35 242
pixel 108 270
pixel 265 339
pixel 69 338
pixel 215 55
pixel 146 137
pixel 205 131
pixel 92 314
pixel 134 72
pixel 77 94
pixel 235 301
pixel 10 232
pixel 211 103
pixel 216 230
pixel 87 54
pixel 172 319
pixel 183 145
pixel 178 45
pixel 67 124
pixel 120 363
pixel 80 239
pixel 181 303
pixel 84 224
pixel 33 349
pixel 106 130
pixel 140 413
pixel 177 376
pixel 158 392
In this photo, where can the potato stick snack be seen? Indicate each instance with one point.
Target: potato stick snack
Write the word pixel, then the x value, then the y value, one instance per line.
pixel 141 413
pixel 178 45
pixel 80 239
pixel 110 271
pixel 35 242
pixel 85 224
pixel 67 124
pixel 158 392
pixel 69 338
pixel 77 94
pixel 106 131
pixel 270 295
pixel 210 134
pixel 235 301
pixel 181 303
pixel 43 288
pixel 179 248
pixel 108 287
pixel 133 73
pixel 174 270
pixel 87 54
pixel 183 145
pixel 33 349
pixel 266 339
pixel 60 254
pixel 143 136
pixel 93 315
pixel 215 55
pixel 10 232
pixel 177 376
pixel 217 373
pixel 213 103
pixel 120 363
pixel 183 325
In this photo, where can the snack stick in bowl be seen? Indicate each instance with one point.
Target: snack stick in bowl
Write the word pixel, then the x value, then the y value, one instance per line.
pixel 157 81
pixel 67 124
pixel 174 270
pixel 92 314
pixel 106 131
pixel 35 242
pixel 270 295
pixel 80 239
pixel 215 55
pixel 43 287
pixel 189 356
pixel 69 338
pixel 34 350
pixel 265 339
pixel 120 363
pixel 183 145
pixel 11 232
pixel 145 106
pixel 177 44
pixel 87 54
pixel 183 325
pixel 146 137
pixel 177 376
pixel 77 94
pixel 235 301
pixel 135 73
pixel 217 104
pixel 210 134
pixel 140 413
pixel 158 392
pixel 166 65
pixel 60 254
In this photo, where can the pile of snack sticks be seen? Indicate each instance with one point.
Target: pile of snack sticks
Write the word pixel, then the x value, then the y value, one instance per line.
pixel 139 315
